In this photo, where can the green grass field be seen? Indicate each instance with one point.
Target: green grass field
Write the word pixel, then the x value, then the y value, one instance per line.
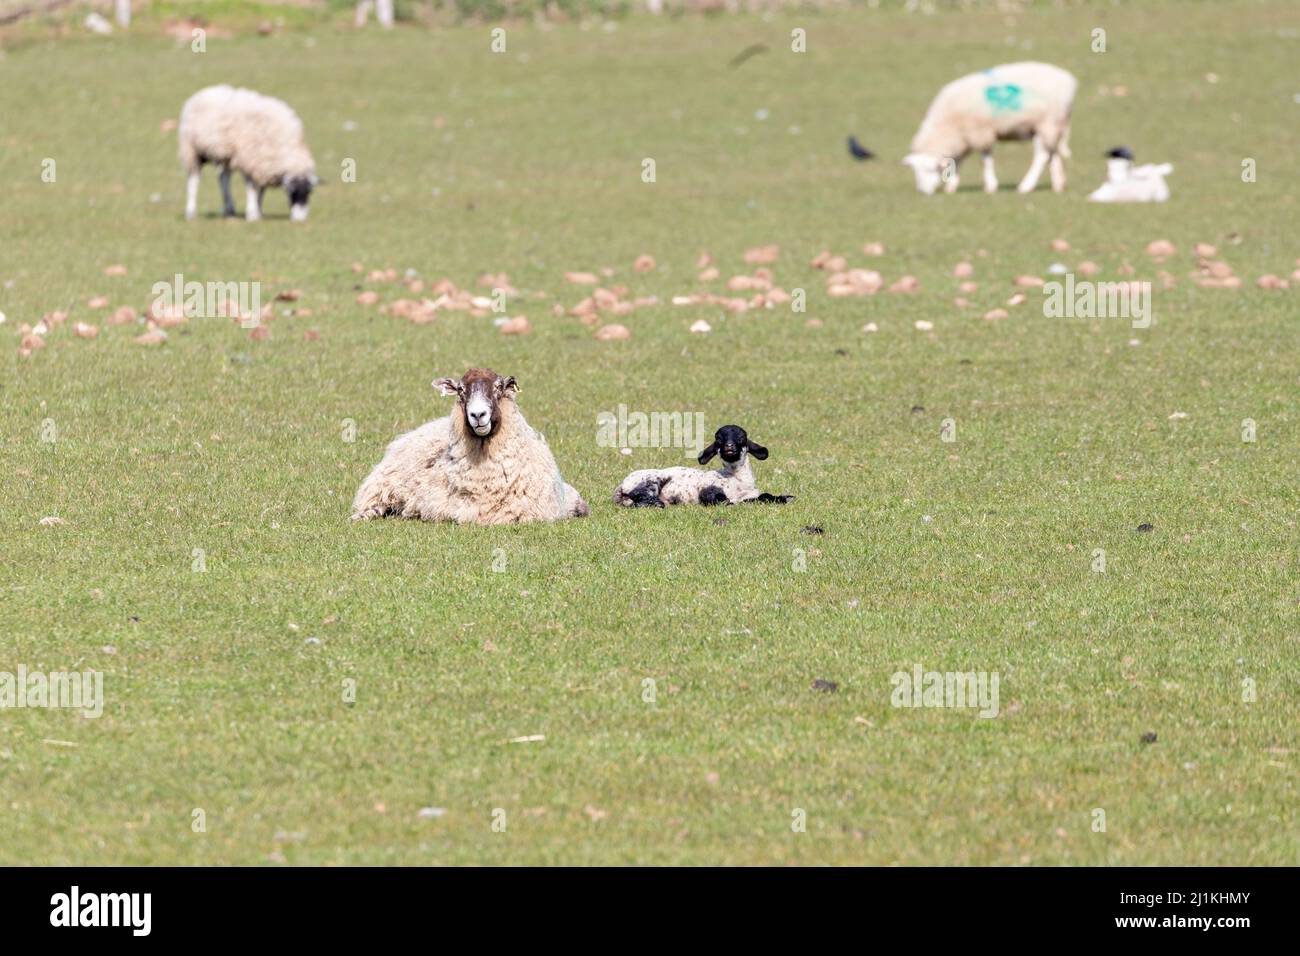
pixel 225 690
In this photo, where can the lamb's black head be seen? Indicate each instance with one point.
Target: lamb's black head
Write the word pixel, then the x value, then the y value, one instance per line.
pixel 732 443
pixel 299 190
pixel 480 392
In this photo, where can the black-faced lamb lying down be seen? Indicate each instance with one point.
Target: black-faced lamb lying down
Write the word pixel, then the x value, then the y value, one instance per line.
pixel 731 484
pixel 481 465
pixel 252 134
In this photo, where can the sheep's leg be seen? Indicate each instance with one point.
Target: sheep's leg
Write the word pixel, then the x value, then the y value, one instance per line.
pixel 953 176
pixel 1041 155
pixel 990 175
pixel 228 209
pixel 644 495
pixel 192 193
pixel 577 508
pixel 261 198
pixel 252 208
pixel 373 499
pixel 1058 172
pixel 1059 156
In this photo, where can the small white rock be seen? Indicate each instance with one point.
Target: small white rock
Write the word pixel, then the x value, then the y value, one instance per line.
pixel 924 325
pixel 699 326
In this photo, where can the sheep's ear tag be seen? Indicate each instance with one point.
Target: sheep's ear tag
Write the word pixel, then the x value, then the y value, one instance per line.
pixel 509 383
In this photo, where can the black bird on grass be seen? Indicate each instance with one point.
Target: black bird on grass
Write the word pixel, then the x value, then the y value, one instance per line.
pixel 858 151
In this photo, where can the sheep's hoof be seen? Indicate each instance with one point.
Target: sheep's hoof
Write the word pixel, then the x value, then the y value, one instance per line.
pixel 713 496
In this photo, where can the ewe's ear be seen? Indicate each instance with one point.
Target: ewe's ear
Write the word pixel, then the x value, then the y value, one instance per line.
pixel 447 386
pixel 508 384
pixel 708 453
pixel 758 451
pixel 910 159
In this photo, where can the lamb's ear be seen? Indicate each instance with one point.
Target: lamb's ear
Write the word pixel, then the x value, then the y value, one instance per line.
pixel 708 453
pixel 758 451
pixel 447 386
pixel 508 384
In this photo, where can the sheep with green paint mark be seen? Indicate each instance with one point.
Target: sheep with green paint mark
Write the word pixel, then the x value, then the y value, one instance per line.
pixel 1015 101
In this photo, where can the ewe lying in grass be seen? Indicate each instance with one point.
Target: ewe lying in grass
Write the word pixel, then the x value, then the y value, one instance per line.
pixel 481 465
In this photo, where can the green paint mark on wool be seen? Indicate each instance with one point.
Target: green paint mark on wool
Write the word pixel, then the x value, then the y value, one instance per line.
pixel 1004 98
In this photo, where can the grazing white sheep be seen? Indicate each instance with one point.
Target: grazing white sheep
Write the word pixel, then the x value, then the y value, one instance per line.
pixel 258 136
pixel 1128 183
pixel 733 483
pixel 1012 101
pixel 481 465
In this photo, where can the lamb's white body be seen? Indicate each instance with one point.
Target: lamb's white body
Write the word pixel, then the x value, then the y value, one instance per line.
pixel 1128 183
pixel 258 136
pixel 683 486
pixel 1013 101
pixel 441 471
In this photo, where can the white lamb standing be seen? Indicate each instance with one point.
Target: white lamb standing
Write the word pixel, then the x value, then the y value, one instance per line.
pixel 1015 101
pixel 258 136
pixel 481 465
pixel 1128 183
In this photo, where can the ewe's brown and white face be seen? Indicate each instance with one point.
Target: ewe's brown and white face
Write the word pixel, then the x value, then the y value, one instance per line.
pixel 480 394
